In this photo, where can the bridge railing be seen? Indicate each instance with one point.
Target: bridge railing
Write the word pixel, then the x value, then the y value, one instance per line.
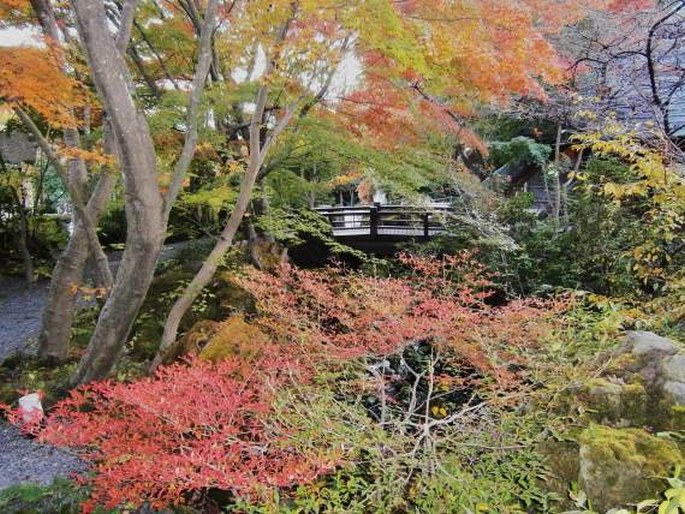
pixel 385 220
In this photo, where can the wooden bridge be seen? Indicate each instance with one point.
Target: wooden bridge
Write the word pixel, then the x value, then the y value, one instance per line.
pixel 379 228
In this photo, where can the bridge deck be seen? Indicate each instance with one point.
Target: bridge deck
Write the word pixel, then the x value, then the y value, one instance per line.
pixel 386 231
pixel 381 221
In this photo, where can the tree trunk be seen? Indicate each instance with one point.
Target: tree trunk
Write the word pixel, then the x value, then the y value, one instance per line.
pixel 130 288
pixel 258 154
pixel 24 238
pixel 58 316
pixel 253 242
pixel 55 334
pixel 143 200
pixel 209 267
pixel 75 194
pixel 146 209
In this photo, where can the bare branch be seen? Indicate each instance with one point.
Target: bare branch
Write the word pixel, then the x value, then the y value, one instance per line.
pixel 197 88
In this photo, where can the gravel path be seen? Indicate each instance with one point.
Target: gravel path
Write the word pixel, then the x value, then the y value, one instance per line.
pixel 24 460
pixel 21 308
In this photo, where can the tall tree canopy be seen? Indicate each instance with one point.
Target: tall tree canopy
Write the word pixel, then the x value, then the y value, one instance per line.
pixel 150 80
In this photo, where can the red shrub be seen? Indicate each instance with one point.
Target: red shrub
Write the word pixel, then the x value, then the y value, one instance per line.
pixel 334 315
pixel 192 426
pixel 196 425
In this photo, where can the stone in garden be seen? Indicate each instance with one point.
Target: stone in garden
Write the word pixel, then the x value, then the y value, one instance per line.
pixel 616 403
pixel 622 466
pixel 675 392
pixel 30 408
pixel 648 344
pixel 673 368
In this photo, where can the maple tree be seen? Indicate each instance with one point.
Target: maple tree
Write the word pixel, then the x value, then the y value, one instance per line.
pixel 416 79
pixel 264 66
pixel 147 207
pixel 200 101
pixel 50 90
pixel 472 54
pixel 31 78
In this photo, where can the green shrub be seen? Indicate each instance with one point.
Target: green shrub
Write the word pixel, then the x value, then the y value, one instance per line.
pixel 112 224
pixel 62 497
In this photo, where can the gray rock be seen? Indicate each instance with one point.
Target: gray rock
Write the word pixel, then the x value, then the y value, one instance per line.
pixel 620 466
pixel 673 368
pixel 648 344
pixel 621 405
pixel 675 391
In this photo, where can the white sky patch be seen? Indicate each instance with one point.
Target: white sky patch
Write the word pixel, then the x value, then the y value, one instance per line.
pixel 345 79
pixel 12 36
pixel 347 76
pixel 239 74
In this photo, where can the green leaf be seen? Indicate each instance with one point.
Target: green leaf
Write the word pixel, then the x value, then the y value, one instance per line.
pixel 646 504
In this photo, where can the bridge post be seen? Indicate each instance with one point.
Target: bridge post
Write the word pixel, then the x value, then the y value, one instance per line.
pixel 426 224
pixel 373 220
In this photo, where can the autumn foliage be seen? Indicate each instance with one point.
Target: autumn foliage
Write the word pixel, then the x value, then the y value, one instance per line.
pixel 15 10
pixel 198 425
pixel 32 78
pixel 194 426
pixel 472 54
pixel 338 315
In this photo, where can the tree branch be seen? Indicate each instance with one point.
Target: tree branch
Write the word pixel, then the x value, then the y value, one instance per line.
pixel 204 63
pixel 126 19
pixel 76 198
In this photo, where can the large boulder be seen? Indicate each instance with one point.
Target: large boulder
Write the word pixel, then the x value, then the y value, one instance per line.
pixel 643 385
pixel 674 393
pixel 642 353
pixel 672 372
pixel 658 365
pixel 648 345
pixel 617 458
pixel 621 466
pixel 673 368
pixel 616 403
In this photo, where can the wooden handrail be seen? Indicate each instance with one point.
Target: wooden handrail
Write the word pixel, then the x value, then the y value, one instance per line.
pixel 378 220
